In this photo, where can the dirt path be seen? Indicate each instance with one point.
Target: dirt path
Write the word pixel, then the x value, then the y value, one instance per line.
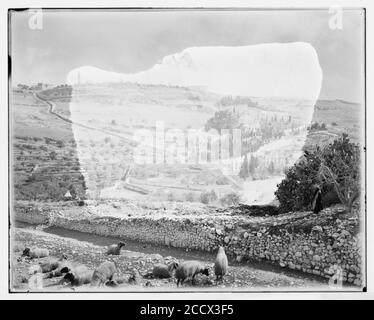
pixel 239 277
pixel 51 107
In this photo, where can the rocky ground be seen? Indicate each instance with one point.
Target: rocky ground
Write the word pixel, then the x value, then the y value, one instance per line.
pixel 239 277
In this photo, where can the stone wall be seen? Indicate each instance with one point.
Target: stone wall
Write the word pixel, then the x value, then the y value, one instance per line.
pixel 322 245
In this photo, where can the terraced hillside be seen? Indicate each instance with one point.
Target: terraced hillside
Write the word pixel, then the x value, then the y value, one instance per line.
pixel 44 156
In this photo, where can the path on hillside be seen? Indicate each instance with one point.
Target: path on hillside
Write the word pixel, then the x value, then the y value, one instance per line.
pixel 51 107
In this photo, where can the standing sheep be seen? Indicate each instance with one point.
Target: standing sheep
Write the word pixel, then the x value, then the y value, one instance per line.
pixel 221 264
pixel 115 249
pixel 103 273
pixel 189 269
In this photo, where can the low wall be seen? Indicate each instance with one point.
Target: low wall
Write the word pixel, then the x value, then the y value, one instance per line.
pixel 321 245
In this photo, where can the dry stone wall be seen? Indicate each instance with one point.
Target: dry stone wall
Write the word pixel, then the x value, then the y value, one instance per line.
pixel 322 245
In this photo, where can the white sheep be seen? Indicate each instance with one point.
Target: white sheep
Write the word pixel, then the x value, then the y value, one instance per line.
pixel 35 253
pixel 221 264
pixel 189 269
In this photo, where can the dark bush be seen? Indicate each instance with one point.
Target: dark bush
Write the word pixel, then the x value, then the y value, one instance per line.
pixel 339 177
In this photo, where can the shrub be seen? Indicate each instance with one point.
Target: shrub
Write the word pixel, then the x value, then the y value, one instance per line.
pixel 204 197
pixel 295 192
pixel 213 196
pixel 208 196
pixel 222 120
pixel 340 167
pixel 230 199
pixel 335 169
pixel 60 144
pixel 53 155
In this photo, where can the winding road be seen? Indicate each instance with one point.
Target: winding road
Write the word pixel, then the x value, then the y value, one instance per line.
pixel 51 110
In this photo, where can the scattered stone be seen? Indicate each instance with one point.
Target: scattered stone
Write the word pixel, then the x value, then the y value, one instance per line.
pixel 316 258
pixel 317 229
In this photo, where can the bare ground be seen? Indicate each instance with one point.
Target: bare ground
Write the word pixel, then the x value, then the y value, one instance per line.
pixel 239 277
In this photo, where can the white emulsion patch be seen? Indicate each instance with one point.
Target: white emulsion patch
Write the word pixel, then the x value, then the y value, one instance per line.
pixel 280 77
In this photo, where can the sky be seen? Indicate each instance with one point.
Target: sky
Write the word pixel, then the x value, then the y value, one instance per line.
pixel 133 41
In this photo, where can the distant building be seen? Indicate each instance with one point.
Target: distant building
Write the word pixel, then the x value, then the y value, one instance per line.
pixel 40 86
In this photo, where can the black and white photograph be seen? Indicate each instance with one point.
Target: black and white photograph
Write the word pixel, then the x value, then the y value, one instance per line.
pixel 187 150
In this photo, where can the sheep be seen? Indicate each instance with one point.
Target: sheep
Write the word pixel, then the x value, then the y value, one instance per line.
pixel 221 264
pixel 190 269
pixel 63 267
pixel 103 273
pixel 116 280
pixel 52 264
pixel 35 253
pixel 164 271
pixel 67 267
pixel 78 275
pixel 115 249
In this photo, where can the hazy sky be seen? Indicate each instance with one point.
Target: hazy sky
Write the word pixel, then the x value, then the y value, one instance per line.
pixel 134 41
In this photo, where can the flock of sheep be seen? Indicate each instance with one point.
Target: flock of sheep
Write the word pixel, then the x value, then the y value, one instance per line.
pixel 105 273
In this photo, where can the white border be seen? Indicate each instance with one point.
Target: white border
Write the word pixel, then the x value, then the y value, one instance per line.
pixel 5 4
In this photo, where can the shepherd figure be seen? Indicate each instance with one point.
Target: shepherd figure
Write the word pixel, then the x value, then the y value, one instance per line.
pixel 317 201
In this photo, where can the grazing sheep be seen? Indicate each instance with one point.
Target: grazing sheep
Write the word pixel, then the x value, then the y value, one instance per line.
pixel 220 265
pixel 163 271
pixel 52 264
pixel 189 269
pixel 115 249
pixel 103 273
pixel 79 275
pixel 35 253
